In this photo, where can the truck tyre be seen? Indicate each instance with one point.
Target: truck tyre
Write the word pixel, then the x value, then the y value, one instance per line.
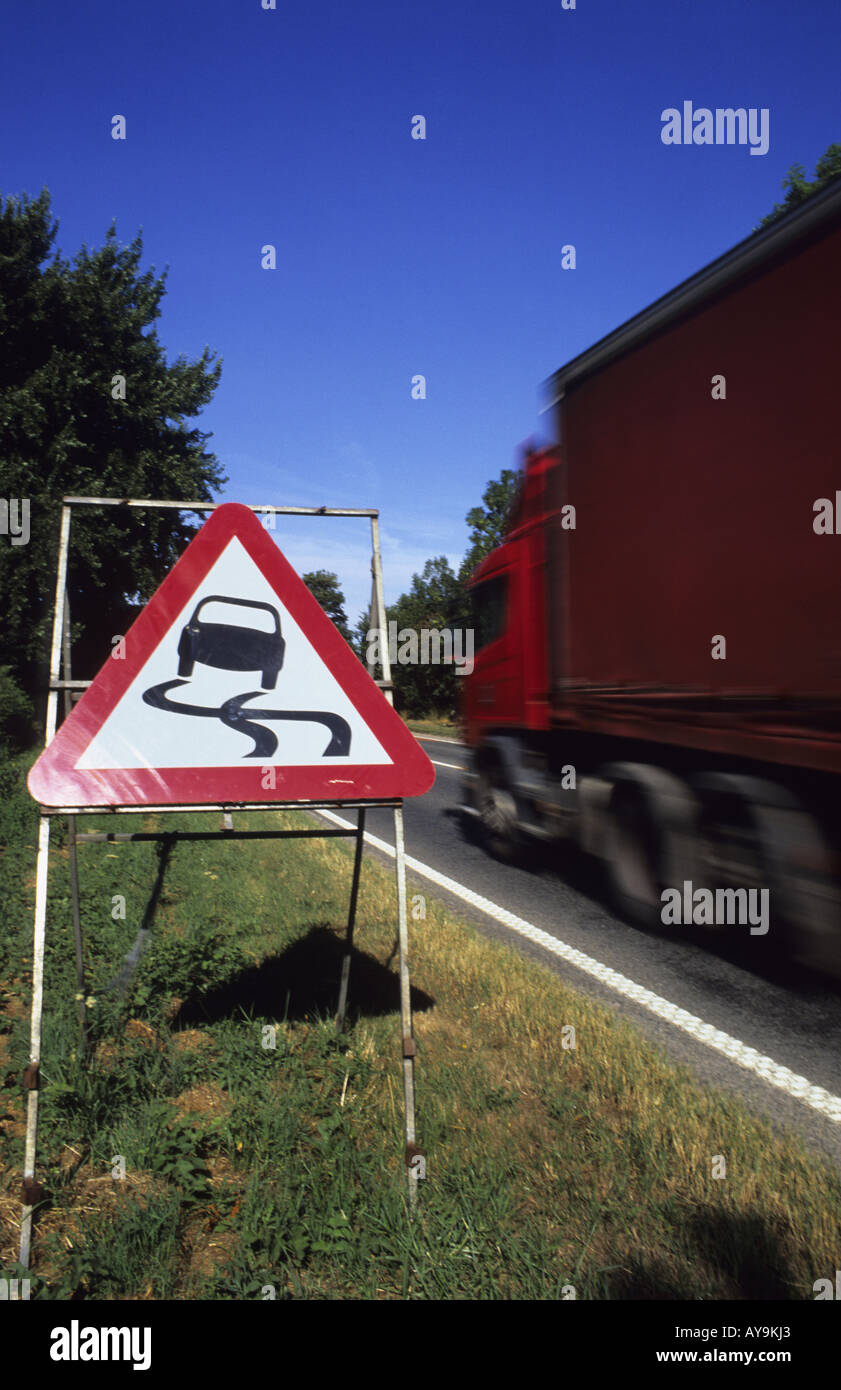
pixel 649 838
pixel 756 834
pixel 498 815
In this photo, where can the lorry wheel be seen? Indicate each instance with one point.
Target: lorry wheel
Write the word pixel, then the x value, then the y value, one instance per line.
pixel 755 834
pixel 730 851
pixel 649 839
pixel 498 816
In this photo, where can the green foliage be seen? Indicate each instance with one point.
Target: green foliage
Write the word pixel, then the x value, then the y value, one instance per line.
pixel 797 187
pixel 84 1097
pixel 437 600
pixel 432 602
pixel 132 1253
pixel 176 1158
pixel 67 330
pixel 18 838
pixel 488 523
pixel 188 964
pixel 16 713
pixel 324 587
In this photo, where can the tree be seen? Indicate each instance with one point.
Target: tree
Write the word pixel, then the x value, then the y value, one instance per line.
pixel 488 523
pixel 437 601
pixel 797 187
pixel 89 406
pixel 324 587
pixel 359 640
pixel 430 604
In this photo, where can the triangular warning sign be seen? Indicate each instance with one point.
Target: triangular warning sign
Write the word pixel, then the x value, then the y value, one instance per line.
pixel 231 686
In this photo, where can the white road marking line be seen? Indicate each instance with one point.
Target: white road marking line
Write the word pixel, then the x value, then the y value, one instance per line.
pixel 434 738
pixel 748 1057
pixel 458 767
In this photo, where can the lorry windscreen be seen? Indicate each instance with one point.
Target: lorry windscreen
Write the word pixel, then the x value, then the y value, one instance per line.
pixel 488 602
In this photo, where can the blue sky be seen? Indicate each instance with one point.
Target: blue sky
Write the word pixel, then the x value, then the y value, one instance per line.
pixel 395 256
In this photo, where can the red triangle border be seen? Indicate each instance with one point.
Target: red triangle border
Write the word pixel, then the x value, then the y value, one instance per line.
pixel 54 780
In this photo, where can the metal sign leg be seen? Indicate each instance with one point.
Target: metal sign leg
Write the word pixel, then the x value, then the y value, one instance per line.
pixel 413 1156
pixel 31 1190
pixel 77 935
pixel 71 851
pixel 354 894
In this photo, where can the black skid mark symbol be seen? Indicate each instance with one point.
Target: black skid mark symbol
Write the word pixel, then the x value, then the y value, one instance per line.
pixel 265 742
pixel 247 722
pixel 156 697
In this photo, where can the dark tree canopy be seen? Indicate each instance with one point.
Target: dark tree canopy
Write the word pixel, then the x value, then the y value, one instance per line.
pixel 431 603
pixel 89 406
pixel 488 522
pixel 324 587
pixel 437 601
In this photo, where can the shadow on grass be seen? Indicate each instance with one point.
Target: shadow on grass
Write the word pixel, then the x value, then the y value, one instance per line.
pixel 748 1247
pixel 123 978
pixel 303 981
pixel 742 1247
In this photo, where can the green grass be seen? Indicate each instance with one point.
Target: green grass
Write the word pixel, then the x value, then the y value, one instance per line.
pixel 445 728
pixel 250 1168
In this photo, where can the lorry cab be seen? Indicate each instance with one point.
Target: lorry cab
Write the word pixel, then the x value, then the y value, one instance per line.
pixel 493 692
pixel 508 600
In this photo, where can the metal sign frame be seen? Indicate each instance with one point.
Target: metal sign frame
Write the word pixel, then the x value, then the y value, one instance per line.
pixel 60 660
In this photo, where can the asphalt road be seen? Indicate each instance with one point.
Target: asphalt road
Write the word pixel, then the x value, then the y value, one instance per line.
pixel 737 987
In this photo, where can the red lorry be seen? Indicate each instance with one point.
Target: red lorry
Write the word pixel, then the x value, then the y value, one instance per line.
pixel 658 650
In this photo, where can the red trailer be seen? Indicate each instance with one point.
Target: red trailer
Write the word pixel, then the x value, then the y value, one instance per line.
pixel 658 664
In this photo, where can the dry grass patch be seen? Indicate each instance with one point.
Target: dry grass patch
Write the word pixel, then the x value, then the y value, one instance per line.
pixel 206 1099
pixel 191 1040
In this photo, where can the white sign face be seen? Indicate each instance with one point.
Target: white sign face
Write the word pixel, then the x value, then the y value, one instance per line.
pixel 174 713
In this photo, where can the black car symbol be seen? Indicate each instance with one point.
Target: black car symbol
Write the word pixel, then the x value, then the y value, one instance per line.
pixel 232 648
